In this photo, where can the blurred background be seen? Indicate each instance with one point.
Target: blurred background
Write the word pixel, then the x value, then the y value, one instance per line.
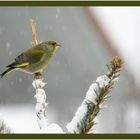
pixel 90 37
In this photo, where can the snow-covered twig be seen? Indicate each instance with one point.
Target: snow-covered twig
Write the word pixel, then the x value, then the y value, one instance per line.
pixel 41 104
pixel 4 128
pixel 38 84
pixel 86 115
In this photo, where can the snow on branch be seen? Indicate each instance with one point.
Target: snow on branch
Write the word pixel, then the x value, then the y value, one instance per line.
pixel 41 104
pixel 85 117
pixel 4 128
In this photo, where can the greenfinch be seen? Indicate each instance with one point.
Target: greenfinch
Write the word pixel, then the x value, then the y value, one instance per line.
pixel 34 60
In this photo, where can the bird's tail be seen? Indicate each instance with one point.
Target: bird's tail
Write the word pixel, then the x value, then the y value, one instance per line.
pixel 7 71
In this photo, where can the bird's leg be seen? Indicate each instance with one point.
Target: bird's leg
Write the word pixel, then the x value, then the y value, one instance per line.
pixel 37 75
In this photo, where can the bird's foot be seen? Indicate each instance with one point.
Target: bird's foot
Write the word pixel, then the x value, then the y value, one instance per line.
pixel 38 75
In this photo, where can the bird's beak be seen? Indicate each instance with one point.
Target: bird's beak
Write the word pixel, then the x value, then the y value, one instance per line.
pixel 58 45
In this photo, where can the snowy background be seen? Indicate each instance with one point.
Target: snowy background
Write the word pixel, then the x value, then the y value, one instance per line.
pixel 74 67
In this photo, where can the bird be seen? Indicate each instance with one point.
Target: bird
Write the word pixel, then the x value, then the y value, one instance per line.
pixel 33 60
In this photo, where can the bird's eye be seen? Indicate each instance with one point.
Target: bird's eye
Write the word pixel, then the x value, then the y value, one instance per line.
pixel 53 43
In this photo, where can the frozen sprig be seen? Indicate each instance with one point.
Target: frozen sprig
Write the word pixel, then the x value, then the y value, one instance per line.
pixel 84 118
pixel 4 128
pixel 41 103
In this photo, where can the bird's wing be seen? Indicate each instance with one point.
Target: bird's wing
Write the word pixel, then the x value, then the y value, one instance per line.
pixel 32 55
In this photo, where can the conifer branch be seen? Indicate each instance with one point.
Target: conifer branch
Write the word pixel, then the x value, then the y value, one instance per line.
pixel 85 117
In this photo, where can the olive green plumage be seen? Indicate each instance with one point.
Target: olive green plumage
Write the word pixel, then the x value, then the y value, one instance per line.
pixel 34 60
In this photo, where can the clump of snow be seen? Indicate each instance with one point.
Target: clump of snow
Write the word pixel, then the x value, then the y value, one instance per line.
pixel 92 95
pixel 41 104
pixel 103 81
pixel 38 83
pixel 40 96
pixel 93 92
pixel 72 126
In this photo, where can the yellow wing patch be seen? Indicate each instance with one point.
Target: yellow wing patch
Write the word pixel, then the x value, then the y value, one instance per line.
pixel 22 65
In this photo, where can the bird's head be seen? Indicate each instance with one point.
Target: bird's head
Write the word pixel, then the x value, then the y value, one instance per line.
pixel 51 46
